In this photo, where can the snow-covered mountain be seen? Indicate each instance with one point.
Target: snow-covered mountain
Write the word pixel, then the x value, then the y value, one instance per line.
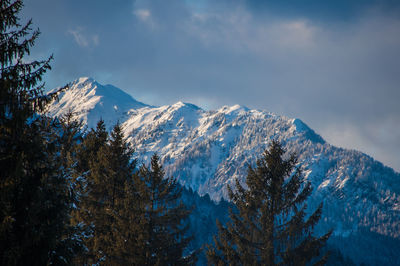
pixel 91 101
pixel 208 150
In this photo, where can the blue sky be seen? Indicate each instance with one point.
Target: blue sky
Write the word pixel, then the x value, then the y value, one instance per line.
pixel 333 64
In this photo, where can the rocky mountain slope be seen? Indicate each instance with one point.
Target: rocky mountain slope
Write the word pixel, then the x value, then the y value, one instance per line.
pixel 208 150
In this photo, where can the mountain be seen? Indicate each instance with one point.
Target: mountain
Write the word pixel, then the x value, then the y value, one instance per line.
pixel 91 101
pixel 208 150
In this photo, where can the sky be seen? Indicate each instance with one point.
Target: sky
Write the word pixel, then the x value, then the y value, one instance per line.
pixel 333 64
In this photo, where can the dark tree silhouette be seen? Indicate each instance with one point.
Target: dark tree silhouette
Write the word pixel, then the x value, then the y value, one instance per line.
pixel 34 192
pixel 270 225
pixel 163 226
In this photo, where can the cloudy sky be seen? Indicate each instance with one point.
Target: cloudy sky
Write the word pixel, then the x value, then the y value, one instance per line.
pixel 333 64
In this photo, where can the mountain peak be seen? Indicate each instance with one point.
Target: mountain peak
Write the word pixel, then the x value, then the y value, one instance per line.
pixel 92 101
pixel 83 81
pixel 181 104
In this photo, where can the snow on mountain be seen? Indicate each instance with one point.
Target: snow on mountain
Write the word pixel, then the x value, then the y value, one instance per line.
pixel 208 150
pixel 91 101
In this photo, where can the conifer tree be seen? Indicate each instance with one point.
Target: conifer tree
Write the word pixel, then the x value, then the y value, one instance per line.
pixel 114 168
pixel 87 153
pixel 163 226
pixel 34 199
pixel 69 136
pixel 106 165
pixel 87 150
pixel 270 225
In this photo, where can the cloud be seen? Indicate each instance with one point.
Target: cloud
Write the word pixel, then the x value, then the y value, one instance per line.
pixel 142 14
pixel 82 39
pixel 321 11
pixel 377 139
pixel 240 31
pixel 299 33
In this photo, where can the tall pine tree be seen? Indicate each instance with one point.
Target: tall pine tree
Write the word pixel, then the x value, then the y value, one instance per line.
pixel 162 231
pixel 106 168
pixel 113 169
pixel 86 212
pixel 69 135
pixel 270 225
pixel 34 194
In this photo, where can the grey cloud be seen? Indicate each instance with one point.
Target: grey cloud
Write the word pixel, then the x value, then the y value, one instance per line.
pixel 321 11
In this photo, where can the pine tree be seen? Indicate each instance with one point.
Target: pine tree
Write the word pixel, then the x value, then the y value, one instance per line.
pixel 69 136
pixel 117 168
pixel 270 225
pixel 34 198
pixel 106 166
pixel 87 150
pixel 88 184
pixel 163 226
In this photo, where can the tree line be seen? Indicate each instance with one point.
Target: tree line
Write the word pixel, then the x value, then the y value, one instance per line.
pixel 73 197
